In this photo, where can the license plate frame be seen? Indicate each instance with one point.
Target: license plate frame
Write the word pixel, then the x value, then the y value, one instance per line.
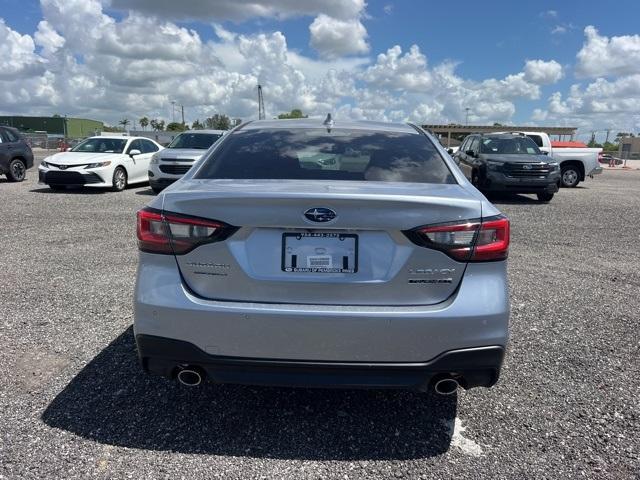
pixel 350 261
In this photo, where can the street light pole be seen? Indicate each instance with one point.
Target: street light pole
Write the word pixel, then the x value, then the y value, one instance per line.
pixel 467 119
pixel 173 111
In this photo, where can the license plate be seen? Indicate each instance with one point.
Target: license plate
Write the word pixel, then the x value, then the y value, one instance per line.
pixel 320 252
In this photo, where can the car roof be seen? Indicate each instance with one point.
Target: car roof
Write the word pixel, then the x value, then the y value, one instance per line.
pixel 337 124
pixel 204 131
pixel 120 137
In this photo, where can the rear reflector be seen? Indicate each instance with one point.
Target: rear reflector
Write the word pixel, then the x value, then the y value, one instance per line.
pixel 172 233
pixel 470 241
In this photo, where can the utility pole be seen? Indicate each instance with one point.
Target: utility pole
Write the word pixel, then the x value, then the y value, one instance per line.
pixel 261 114
pixel 467 119
pixel 606 140
pixel 173 111
pixel 182 108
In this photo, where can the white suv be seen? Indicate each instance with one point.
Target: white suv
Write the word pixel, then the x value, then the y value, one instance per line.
pixel 170 164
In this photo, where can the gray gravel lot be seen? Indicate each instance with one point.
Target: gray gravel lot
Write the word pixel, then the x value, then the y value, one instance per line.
pixel 74 404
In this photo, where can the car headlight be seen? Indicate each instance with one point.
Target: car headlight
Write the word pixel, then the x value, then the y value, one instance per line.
pixel 98 164
pixel 44 164
pixel 493 165
pixel 554 166
pixel 155 158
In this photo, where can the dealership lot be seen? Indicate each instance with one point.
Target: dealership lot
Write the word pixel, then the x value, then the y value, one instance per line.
pixel 74 403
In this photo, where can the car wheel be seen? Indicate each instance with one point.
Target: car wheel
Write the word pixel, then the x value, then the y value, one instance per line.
pixel 17 170
pixel 119 181
pixel 545 197
pixel 570 176
pixel 57 187
pixel 157 189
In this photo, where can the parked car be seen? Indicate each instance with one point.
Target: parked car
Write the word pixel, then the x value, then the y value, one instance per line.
pixel 576 164
pixel 16 156
pixel 506 162
pixel 170 164
pixel 381 266
pixel 607 158
pixel 103 161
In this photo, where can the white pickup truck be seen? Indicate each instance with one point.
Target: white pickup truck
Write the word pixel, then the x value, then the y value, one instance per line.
pixel 576 164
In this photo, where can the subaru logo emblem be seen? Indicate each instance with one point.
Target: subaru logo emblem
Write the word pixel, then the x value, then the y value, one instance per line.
pixel 320 214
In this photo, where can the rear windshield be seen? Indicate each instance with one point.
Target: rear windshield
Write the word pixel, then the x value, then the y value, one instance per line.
pixel 518 145
pixel 198 141
pixel 317 154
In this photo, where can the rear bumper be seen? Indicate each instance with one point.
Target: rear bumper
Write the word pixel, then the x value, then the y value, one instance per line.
pixel 473 367
pixel 596 171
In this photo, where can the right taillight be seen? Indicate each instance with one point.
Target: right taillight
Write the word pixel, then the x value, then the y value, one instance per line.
pixel 470 241
pixel 173 233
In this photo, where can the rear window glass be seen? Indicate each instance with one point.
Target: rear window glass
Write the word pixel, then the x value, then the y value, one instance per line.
pixel 318 154
pixel 200 141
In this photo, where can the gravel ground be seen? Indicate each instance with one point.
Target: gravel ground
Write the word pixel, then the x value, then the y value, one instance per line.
pixel 74 404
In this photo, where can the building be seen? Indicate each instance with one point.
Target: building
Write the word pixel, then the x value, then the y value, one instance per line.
pixel 446 132
pixel 57 126
pixel 629 148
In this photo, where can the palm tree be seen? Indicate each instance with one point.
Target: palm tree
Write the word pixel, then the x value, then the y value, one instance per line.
pixel 124 122
pixel 144 122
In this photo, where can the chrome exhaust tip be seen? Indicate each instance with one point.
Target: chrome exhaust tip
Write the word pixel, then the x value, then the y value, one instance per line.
pixel 446 386
pixel 190 377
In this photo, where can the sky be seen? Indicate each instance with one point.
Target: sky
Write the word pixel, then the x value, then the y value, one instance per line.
pixel 570 63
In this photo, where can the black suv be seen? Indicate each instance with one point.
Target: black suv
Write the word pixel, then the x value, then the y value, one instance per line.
pixel 508 162
pixel 15 155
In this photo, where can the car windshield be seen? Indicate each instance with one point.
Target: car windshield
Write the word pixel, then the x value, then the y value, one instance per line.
pixel 101 145
pixel 516 145
pixel 198 141
pixel 319 154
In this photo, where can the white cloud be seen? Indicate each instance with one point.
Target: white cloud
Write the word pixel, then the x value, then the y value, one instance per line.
pixel 400 72
pixel 17 54
pixel 239 10
pixel 541 72
pixel 604 56
pixel 333 37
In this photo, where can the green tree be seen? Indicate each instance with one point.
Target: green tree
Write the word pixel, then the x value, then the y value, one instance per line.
pixel 295 113
pixel 157 125
pixel 144 122
pixel 197 125
pixel 620 135
pixel 609 147
pixel 176 127
pixel 124 122
pixel 218 122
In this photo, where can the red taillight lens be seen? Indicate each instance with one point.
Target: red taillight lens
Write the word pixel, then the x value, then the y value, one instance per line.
pixel 167 233
pixel 473 240
pixel 493 241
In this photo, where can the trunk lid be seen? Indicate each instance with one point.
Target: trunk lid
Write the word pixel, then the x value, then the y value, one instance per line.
pixel 372 261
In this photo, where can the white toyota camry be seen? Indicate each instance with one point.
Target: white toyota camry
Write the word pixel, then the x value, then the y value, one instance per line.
pixel 105 161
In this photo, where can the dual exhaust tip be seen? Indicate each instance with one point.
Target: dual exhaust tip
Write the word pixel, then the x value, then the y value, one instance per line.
pixel 194 376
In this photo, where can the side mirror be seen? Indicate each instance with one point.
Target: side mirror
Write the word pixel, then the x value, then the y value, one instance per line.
pixel 134 152
pixel 450 151
pixel 471 153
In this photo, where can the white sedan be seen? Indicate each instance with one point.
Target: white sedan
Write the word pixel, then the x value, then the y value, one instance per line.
pixel 106 161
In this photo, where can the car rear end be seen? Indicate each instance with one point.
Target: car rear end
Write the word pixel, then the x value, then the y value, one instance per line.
pixel 353 256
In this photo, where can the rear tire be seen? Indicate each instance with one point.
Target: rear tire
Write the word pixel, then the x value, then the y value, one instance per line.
pixel 570 176
pixel 17 170
pixel 545 197
pixel 119 181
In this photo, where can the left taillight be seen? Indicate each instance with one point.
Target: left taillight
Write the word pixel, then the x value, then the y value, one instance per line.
pixel 471 241
pixel 172 233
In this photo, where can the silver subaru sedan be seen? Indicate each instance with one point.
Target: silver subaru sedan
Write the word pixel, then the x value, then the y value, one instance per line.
pixel 333 254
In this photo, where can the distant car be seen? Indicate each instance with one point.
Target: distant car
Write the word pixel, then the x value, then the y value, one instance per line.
pixel 16 156
pixel 508 163
pixel 606 159
pixel 171 163
pixel 336 254
pixel 104 161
